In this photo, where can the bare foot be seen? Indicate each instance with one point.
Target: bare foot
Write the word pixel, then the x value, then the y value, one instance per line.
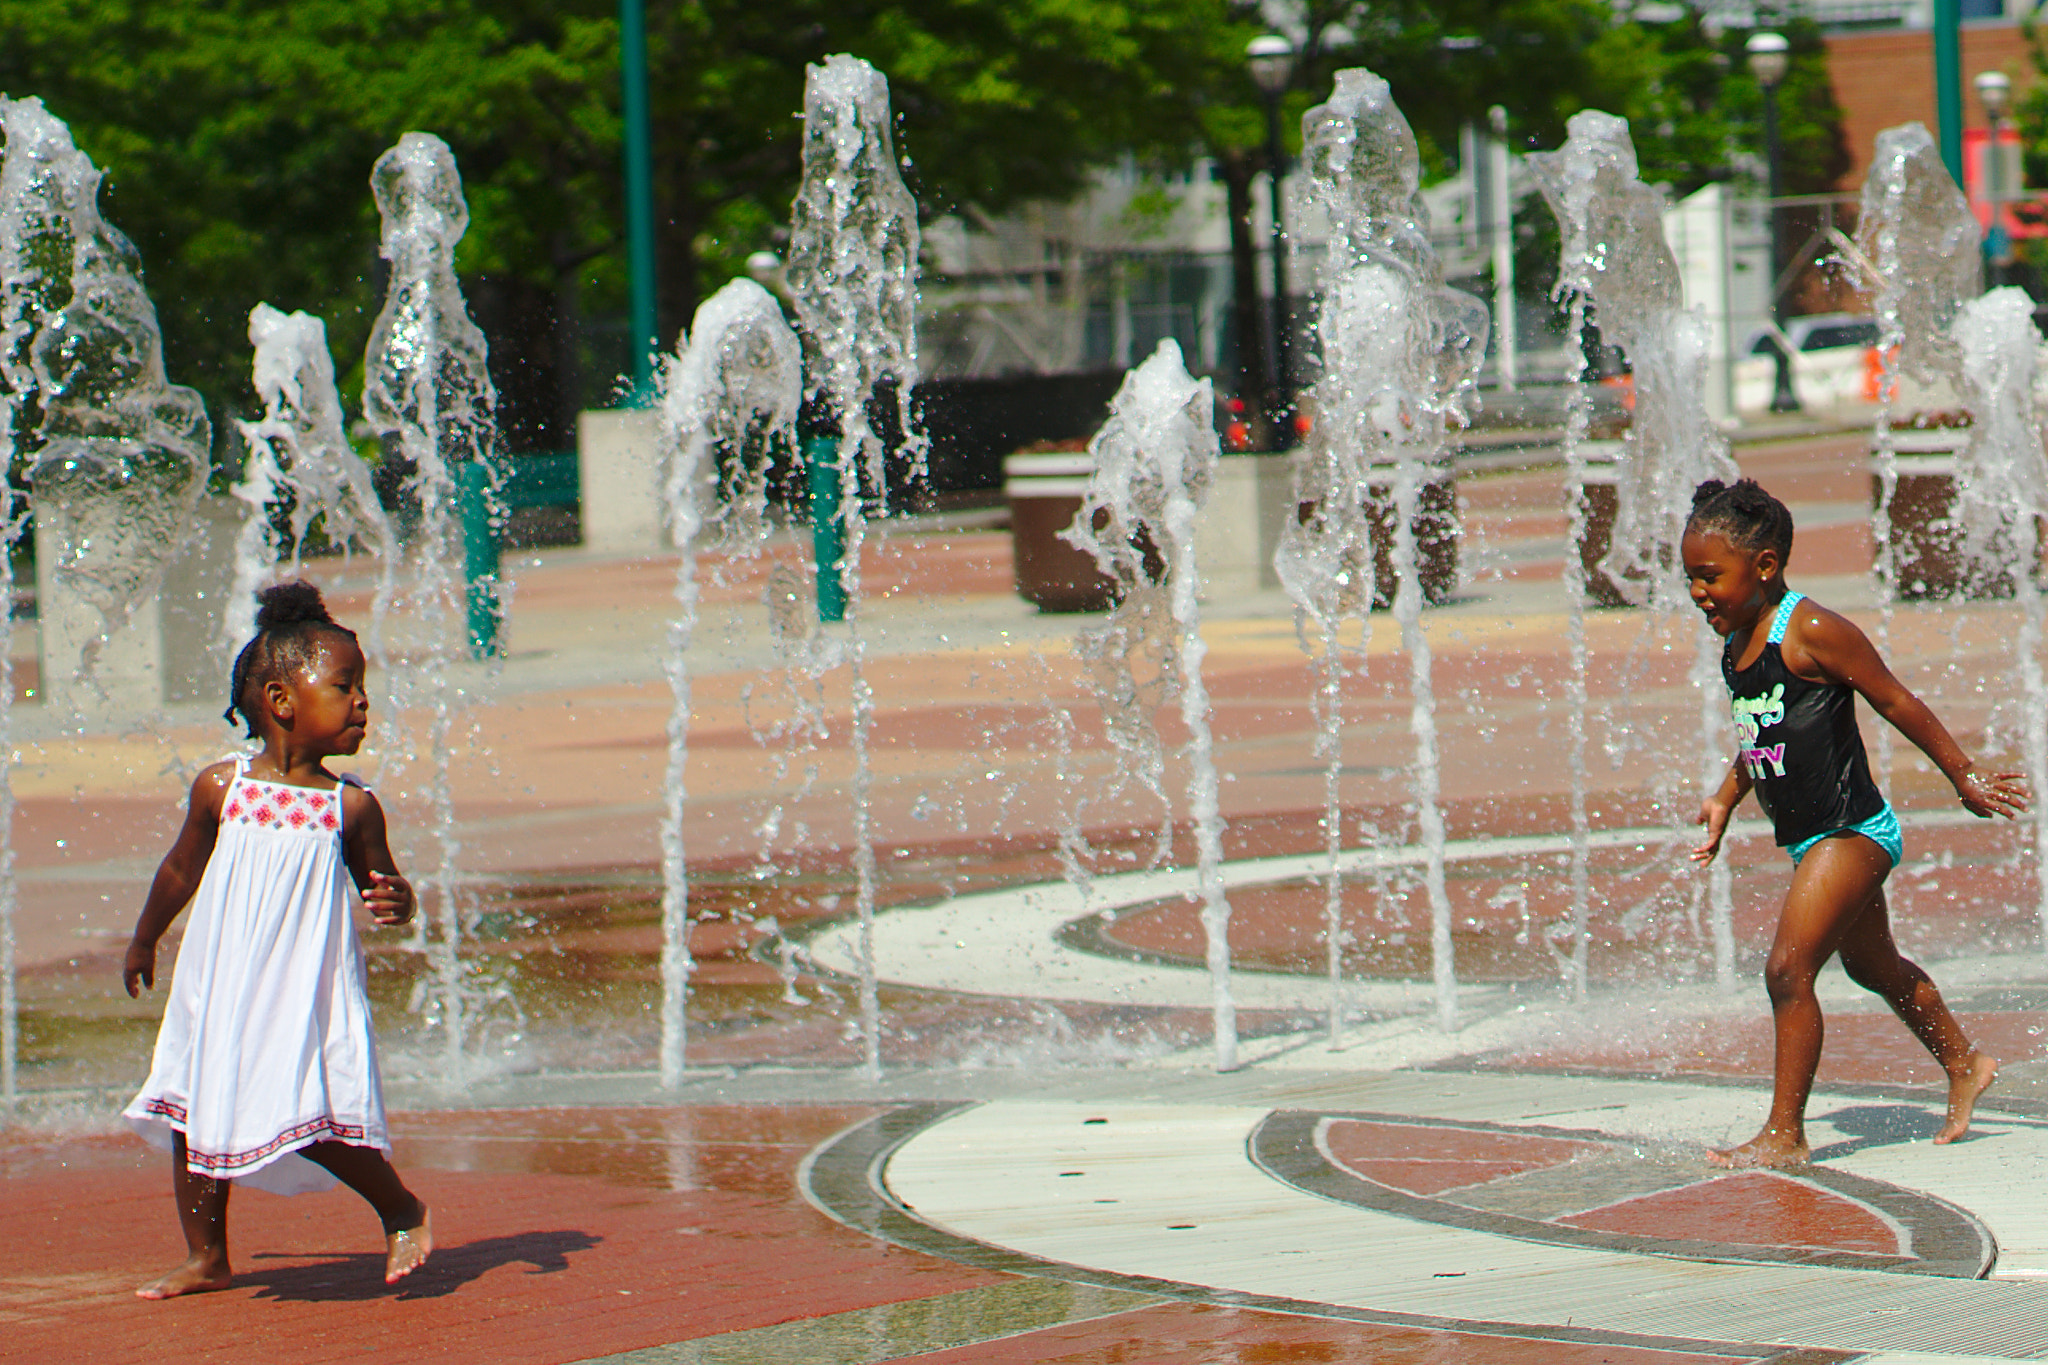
pixel 196 1276
pixel 1767 1151
pixel 1963 1091
pixel 407 1251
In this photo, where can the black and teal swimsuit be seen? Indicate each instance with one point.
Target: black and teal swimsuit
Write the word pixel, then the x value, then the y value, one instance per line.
pixel 1802 750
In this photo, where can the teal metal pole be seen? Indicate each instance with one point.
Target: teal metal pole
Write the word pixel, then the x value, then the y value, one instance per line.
pixel 639 197
pixel 1948 83
pixel 828 525
pixel 482 537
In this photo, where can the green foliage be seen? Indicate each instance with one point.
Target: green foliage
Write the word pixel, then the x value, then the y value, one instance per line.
pixel 1697 115
pixel 238 135
pixel 237 139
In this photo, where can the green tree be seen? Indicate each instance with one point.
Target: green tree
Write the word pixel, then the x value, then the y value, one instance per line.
pixel 237 140
pixel 1446 61
pixel 238 135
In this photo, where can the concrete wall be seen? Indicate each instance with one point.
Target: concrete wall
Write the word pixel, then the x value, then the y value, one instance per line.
pixel 1240 524
pixel 620 478
pixel 170 652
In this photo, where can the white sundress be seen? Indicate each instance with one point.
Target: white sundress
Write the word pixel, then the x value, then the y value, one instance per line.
pixel 266 1043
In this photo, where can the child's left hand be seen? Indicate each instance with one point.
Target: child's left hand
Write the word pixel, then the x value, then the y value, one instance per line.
pixel 389 899
pixel 1993 794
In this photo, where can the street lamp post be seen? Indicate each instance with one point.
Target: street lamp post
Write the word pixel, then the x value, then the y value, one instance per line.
pixel 1271 59
pixel 1769 59
pixel 640 267
pixel 1994 92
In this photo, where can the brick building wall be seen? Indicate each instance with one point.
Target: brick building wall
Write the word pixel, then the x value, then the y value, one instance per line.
pixel 1886 78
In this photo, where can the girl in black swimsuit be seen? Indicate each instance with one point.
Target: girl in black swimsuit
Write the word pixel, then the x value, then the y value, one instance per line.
pixel 1794 669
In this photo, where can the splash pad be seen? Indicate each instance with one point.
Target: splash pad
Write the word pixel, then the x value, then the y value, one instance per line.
pixel 1006 749
pixel 890 895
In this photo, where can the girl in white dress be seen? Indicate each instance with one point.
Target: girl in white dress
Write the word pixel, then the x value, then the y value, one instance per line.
pixel 266 1067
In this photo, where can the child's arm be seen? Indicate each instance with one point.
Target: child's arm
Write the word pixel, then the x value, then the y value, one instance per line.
pixel 1716 810
pixel 177 877
pixel 387 895
pixel 1833 646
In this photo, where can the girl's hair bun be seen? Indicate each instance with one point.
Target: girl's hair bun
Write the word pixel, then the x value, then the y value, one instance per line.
pixel 290 604
pixel 1706 492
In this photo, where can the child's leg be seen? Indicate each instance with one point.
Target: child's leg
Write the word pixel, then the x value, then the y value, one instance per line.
pixel 203 1217
pixel 1873 962
pixel 407 1237
pixel 1837 883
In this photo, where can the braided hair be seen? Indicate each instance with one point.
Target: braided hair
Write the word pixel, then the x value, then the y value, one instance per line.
pixel 1750 519
pixel 290 620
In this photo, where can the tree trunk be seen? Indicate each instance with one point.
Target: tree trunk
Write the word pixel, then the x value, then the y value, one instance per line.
pixel 568 339
pixel 676 262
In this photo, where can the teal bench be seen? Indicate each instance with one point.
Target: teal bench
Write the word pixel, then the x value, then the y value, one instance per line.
pixel 547 480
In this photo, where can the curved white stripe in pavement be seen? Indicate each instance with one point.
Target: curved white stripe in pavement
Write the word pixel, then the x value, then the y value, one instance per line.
pixel 1005 942
pixel 1167 1191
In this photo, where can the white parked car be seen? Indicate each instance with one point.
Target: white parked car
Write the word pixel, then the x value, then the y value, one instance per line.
pixel 1833 364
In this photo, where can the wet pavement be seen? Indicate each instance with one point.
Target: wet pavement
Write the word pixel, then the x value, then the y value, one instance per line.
pixel 1048 1169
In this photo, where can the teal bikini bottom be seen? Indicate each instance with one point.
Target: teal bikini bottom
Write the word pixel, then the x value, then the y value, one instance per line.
pixel 1881 829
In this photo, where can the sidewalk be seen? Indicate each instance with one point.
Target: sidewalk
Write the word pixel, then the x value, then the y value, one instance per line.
pixel 1527 1189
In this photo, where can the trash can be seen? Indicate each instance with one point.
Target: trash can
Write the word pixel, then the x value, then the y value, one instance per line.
pixel 1045 492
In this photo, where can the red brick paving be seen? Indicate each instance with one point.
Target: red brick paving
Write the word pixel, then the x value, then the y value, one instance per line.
pixel 1428 1160
pixel 563 1235
pixel 1861 1048
pixel 1197 1334
pixel 566 1234
pixel 575 1233
pixel 1753 1208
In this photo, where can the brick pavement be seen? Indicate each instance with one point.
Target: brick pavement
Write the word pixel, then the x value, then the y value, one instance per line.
pixel 678 1231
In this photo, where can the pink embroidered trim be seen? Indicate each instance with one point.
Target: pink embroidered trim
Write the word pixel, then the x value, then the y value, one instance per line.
pixel 272 805
pixel 216 1163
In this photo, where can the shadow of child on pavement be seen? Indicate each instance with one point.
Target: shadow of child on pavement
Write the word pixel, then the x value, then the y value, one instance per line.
pixel 1882 1125
pixel 359 1275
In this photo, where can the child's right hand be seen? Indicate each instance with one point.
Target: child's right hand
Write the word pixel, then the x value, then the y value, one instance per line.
pixel 1714 815
pixel 139 967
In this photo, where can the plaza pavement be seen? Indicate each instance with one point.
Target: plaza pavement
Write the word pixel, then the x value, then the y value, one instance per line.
pixel 1528 1188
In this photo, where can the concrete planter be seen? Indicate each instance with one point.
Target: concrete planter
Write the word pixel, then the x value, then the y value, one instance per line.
pixel 1236 532
pixel 1927 540
pixel 1045 492
pixel 1437 531
pixel 1599 504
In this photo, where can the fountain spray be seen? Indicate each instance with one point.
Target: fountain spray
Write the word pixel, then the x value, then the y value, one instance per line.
pixel 2001 483
pixel 1616 258
pixel 299 450
pixel 853 270
pixel 1155 459
pixel 34 270
pixel 734 385
pixel 427 390
pixel 1399 353
pixel 122 453
pixel 117 455
pixel 1917 241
